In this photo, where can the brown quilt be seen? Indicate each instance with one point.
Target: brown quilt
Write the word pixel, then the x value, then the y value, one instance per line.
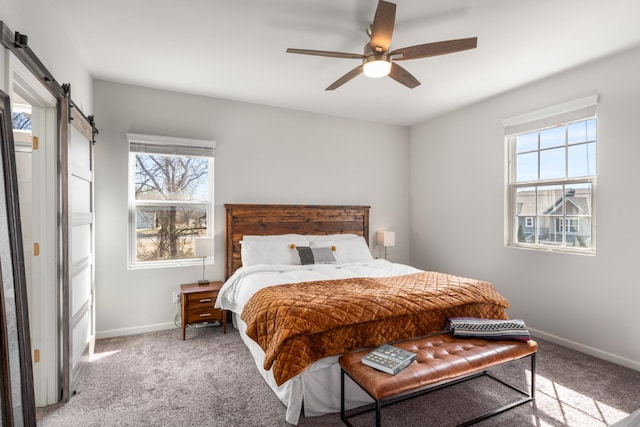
pixel 297 324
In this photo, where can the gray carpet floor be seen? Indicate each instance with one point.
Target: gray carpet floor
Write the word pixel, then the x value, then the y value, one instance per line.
pixel 210 379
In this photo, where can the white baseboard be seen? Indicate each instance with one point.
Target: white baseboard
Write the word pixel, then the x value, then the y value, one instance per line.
pixel 132 331
pixel 613 358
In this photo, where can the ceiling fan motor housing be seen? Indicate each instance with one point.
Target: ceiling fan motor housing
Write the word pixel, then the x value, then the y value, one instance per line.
pixel 381 57
pixel 375 63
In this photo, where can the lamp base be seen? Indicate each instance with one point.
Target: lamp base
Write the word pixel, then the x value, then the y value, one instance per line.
pixel 203 282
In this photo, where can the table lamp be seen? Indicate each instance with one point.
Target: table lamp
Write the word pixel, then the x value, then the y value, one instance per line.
pixel 203 248
pixel 386 239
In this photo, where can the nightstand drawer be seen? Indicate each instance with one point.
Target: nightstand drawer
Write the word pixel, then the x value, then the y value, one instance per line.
pixel 203 315
pixel 201 299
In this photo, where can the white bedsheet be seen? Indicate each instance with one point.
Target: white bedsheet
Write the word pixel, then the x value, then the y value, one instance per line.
pixel 318 387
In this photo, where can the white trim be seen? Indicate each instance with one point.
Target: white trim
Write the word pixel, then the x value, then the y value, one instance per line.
pixel 135 330
pixel 20 108
pixel 49 265
pixel 150 139
pixel 21 77
pixel 592 351
pixel 568 112
pixel 43 306
pixel 566 107
pixel 536 333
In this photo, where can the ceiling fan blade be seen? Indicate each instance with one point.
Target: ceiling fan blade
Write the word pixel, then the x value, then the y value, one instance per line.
pixel 434 49
pixel 382 27
pixel 326 53
pixel 401 75
pixel 342 80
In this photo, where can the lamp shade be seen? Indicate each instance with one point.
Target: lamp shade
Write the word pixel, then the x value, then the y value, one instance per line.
pixel 386 238
pixel 203 246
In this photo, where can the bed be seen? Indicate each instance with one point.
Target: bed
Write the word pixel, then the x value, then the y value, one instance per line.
pixel 303 289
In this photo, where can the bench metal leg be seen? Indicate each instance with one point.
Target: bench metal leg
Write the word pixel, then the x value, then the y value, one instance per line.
pixel 342 417
pixel 533 376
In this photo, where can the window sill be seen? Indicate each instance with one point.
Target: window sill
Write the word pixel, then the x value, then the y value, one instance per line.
pixel 590 252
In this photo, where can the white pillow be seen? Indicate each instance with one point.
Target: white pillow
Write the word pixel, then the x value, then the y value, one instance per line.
pixel 273 250
pixel 348 249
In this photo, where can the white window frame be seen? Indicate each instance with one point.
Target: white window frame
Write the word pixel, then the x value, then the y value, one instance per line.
pixel 166 145
pixel 577 110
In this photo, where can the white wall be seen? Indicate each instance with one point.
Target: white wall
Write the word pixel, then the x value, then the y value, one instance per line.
pixel 457 212
pixel 263 155
pixel 52 46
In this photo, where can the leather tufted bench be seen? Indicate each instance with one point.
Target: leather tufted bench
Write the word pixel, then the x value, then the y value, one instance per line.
pixel 442 360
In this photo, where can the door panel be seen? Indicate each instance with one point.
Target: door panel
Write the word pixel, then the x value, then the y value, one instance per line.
pixel 81 350
pixel 81 186
pixel 81 243
pixel 81 290
pixel 78 247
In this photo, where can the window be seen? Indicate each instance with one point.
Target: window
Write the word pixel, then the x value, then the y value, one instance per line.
pixel 170 199
pixel 551 173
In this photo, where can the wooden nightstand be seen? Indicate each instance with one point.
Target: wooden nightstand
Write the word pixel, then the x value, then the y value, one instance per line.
pixel 197 305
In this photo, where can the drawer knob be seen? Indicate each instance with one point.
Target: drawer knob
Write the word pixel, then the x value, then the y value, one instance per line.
pixel 205 315
pixel 205 300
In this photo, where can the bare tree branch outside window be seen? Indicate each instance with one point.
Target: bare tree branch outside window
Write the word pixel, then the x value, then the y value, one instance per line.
pixel 171 195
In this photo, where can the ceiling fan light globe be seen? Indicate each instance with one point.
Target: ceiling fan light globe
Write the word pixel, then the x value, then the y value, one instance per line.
pixel 377 68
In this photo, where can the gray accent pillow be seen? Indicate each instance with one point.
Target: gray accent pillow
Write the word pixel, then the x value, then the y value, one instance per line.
pixel 315 255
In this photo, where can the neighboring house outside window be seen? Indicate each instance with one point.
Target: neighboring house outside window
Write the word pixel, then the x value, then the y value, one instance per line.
pixel 170 199
pixel 551 163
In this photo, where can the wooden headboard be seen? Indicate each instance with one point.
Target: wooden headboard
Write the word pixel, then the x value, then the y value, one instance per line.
pixel 265 220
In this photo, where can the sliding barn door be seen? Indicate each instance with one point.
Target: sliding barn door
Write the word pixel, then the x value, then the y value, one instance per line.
pixel 78 289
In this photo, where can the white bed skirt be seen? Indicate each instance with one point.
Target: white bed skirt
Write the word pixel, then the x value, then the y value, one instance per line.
pixel 318 387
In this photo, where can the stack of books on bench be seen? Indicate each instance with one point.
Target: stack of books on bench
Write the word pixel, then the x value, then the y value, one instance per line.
pixel 388 358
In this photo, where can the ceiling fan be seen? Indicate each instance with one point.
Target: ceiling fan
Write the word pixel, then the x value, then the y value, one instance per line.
pixel 377 61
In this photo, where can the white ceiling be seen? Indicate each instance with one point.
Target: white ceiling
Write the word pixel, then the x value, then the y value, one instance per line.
pixel 236 49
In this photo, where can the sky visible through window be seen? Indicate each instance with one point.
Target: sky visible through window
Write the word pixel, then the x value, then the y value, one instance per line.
pixel 566 151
